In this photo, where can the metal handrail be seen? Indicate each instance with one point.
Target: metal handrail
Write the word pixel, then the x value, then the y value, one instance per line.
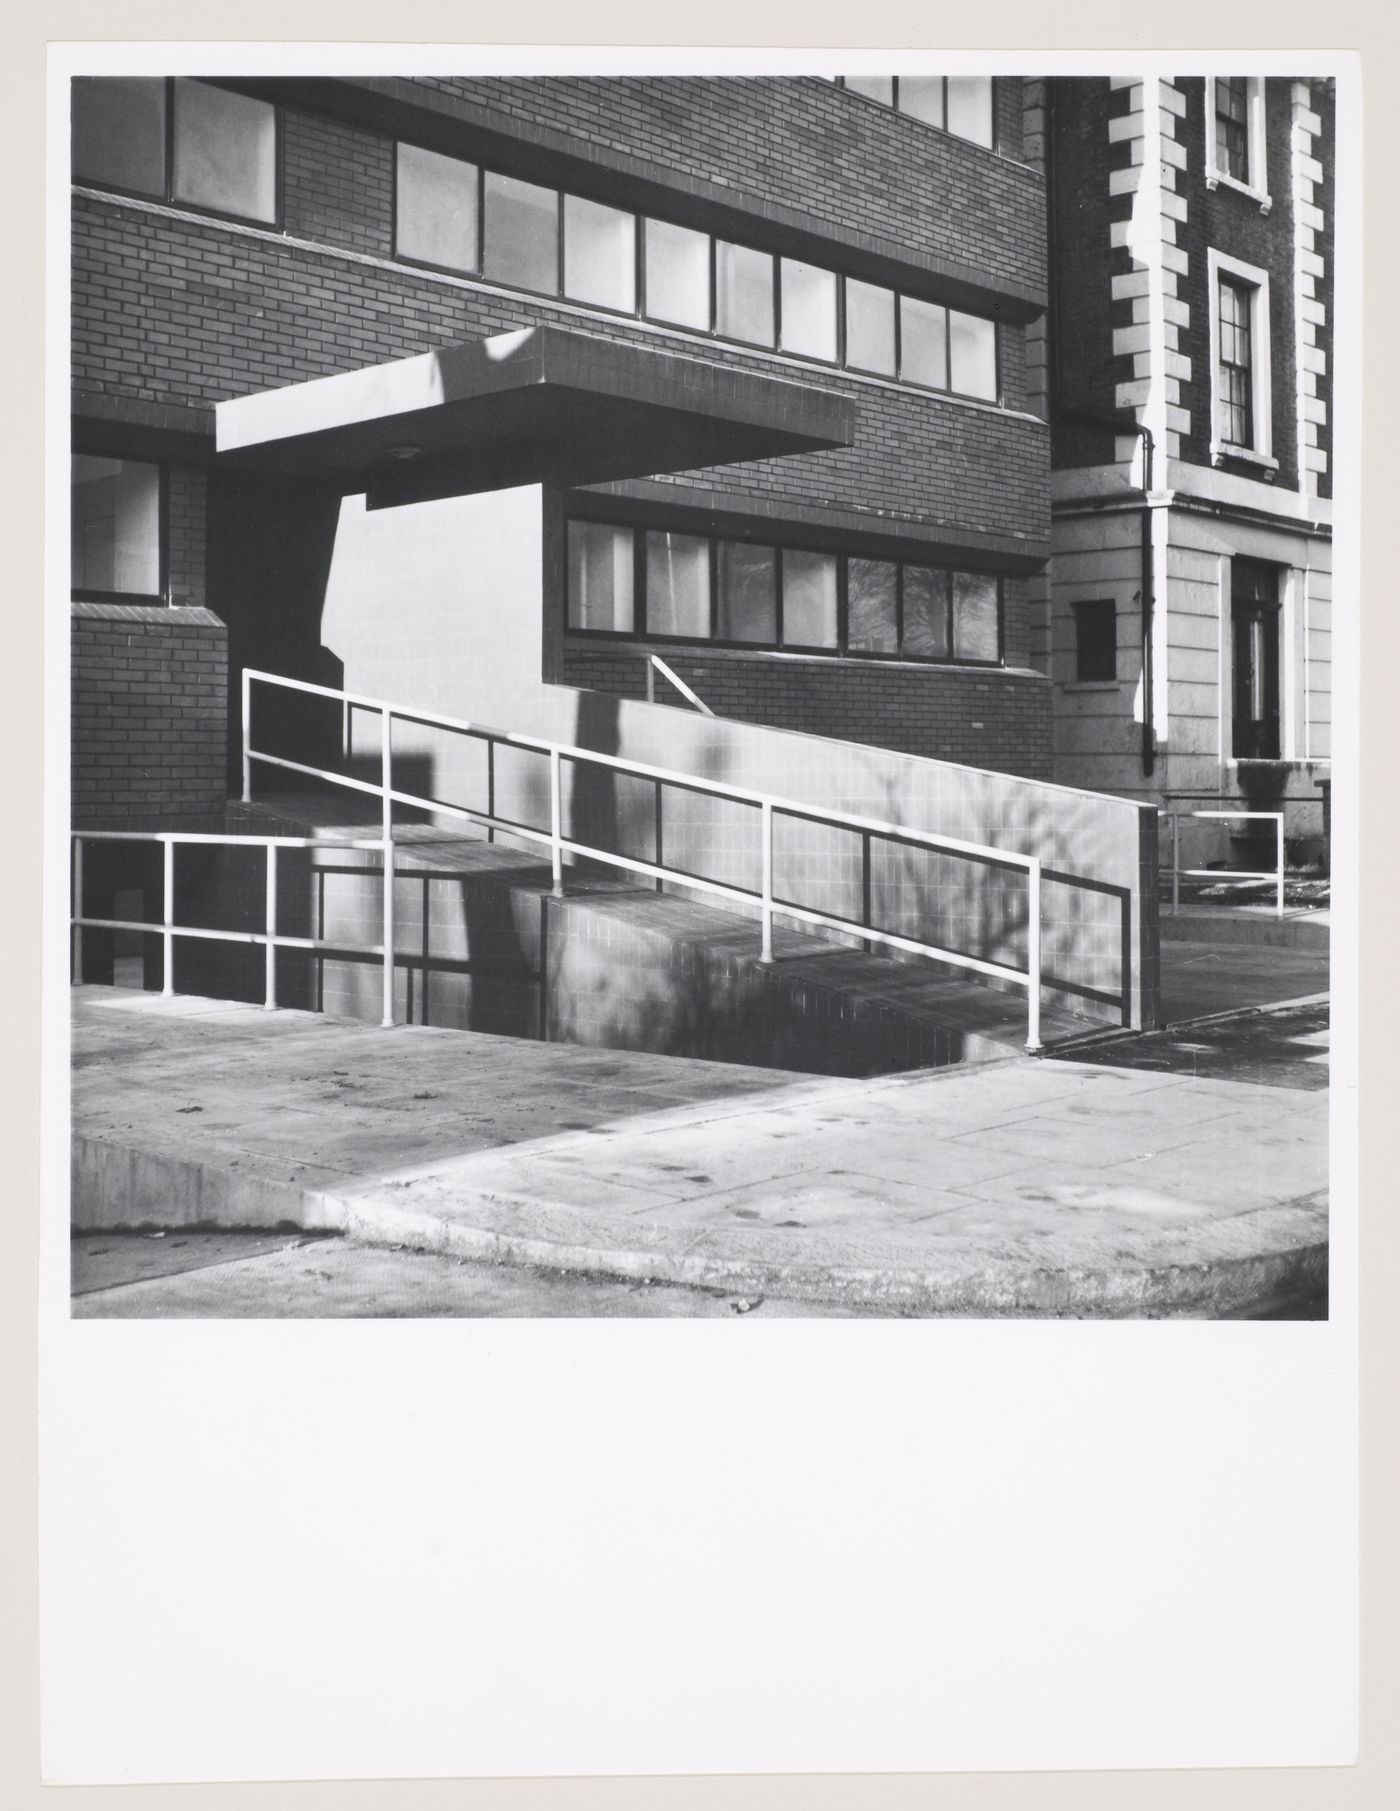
pixel 559 845
pixel 655 664
pixel 1274 874
pixel 167 929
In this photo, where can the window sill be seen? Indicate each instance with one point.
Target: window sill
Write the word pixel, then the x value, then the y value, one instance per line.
pixel 1223 454
pixel 1216 179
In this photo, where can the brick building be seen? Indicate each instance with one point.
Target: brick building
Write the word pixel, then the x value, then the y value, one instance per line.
pixel 885 246
pixel 1188 360
pixel 476 394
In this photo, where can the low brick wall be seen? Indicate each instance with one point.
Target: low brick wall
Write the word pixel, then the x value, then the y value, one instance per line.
pixel 150 714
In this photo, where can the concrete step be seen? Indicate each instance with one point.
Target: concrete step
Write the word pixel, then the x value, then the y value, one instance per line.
pixel 616 964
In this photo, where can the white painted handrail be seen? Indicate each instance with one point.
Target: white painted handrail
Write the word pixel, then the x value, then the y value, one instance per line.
pixel 1274 874
pixel 168 930
pixel 655 665
pixel 769 805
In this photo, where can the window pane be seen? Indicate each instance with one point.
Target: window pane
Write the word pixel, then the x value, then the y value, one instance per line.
pixel 600 254
pixel 1096 640
pixel 116 526
pixel 923 343
pixel 600 577
pixel 869 327
pixel 926 612
pixel 809 599
pixel 809 310
pixel 521 234
pixel 748 592
pixel 678 585
pixel 972 355
pixel 678 275
pixel 743 293
pixel 436 209
pixel 878 87
pixel 225 151
pixel 970 107
pixel 872 623
pixel 975 617
pixel 922 95
pixel 119 132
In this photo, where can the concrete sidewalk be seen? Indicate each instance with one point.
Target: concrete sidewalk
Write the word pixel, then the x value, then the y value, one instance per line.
pixel 1022 1187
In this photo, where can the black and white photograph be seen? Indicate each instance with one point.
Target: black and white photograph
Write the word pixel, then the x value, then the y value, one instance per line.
pixel 701 695
pixel 697 686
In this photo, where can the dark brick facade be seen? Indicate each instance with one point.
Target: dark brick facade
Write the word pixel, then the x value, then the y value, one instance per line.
pixel 980 717
pixel 149 697
pixel 173 314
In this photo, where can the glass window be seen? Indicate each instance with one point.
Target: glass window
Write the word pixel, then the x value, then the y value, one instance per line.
pixel 969 108
pixel 1254 611
pixel 1096 640
pixel 923 343
pixel 809 310
pixel 748 592
pixel 876 87
pixel 809 599
pixel 1236 365
pixel 521 234
pixel 976 617
pixel 1232 126
pixel 225 151
pixel 922 96
pixel 743 293
pixel 869 327
pixel 678 585
pixel 678 275
pixel 600 577
pixel 435 211
pixel 926 612
pixel 116 527
pixel 600 254
pixel 872 609
pixel 119 132
pixel 972 355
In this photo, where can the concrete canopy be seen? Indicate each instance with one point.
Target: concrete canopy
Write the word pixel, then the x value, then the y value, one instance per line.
pixel 539 406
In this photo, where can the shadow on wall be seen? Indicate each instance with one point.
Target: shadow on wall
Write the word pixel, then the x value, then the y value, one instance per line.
pixel 270 545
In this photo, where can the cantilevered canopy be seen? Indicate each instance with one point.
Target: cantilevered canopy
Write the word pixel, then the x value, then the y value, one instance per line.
pixel 538 406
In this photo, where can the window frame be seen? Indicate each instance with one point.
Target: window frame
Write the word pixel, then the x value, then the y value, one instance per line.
pixel 87 594
pixel 1256 142
pixel 1255 282
pixel 167 197
pixel 893 106
pixel 642 311
pixel 642 634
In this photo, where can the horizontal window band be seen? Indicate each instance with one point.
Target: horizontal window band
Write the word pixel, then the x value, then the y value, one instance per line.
pixel 396 107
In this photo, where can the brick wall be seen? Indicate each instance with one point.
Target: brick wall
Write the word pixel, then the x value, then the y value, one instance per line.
pixel 222 315
pixel 983 718
pixel 150 693
pixel 1224 220
pixel 805 144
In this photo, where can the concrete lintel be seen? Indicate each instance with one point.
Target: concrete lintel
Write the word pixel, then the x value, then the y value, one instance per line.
pixel 540 405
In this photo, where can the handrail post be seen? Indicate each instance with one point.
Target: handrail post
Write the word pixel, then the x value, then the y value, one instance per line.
pixel 168 917
pixel 77 910
pixel 766 832
pixel 247 738
pixel 270 965
pixel 1278 827
pixel 1033 1042
pixel 386 787
pixel 1176 862
pixel 556 822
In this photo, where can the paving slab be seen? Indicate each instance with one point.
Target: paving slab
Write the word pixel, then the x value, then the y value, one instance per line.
pixel 1024 1187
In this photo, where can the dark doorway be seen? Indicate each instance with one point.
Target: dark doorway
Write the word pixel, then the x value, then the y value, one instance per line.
pixel 1254 614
